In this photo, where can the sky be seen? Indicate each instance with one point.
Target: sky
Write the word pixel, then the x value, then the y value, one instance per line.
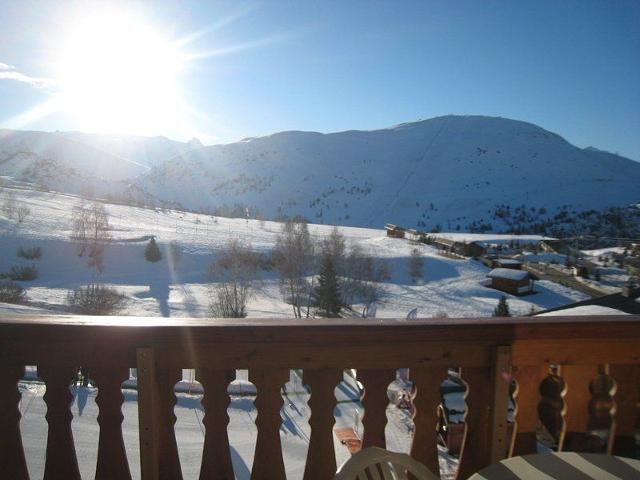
pixel 223 71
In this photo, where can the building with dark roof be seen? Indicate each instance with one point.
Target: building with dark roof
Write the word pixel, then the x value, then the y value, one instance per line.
pixel 628 301
pixel 509 280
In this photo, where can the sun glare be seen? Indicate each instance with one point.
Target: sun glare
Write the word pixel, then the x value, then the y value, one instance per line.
pixel 118 74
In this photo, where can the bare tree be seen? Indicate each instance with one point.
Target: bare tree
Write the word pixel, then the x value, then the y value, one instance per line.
pixel 294 260
pixel 175 254
pixel 233 271
pixel 91 230
pixel 22 212
pixel 416 264
pixel 9 205
pixel 363 276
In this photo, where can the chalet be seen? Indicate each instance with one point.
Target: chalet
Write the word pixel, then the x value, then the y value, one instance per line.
pixel 515 282
pixel 467 249
pixel 394 231
pixel 507 263
pixel 627 301
pixel 413 234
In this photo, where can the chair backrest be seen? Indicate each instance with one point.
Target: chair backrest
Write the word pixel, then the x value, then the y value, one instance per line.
pixel 375 463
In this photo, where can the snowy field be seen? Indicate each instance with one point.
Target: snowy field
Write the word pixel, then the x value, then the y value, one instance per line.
pixel 449 286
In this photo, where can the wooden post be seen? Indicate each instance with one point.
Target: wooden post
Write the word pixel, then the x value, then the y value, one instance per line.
pixel 268 462
pixel 12 459
pixel 501 381
pixel 321 459
pixel 476 449
pixel 61 462
pixel 425 444
pixel 376 383
pixel 216 455
pixel 147 413
pixel 112 457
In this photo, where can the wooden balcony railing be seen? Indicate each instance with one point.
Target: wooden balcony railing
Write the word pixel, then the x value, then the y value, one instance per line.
pixel 574 375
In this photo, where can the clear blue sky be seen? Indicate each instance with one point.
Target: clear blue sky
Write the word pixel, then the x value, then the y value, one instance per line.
pixel 572 67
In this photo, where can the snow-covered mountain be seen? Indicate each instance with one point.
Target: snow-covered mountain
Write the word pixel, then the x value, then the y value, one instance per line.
pixel 448 171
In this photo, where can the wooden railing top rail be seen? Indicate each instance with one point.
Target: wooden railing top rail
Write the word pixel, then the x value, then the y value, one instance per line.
pixel 318 343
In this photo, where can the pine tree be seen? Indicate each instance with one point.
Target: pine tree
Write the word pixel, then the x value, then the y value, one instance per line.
pixel 152 252
pixel 327 296
pixel 502 310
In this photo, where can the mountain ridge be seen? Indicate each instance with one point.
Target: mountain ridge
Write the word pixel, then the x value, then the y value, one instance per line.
pixel 446 171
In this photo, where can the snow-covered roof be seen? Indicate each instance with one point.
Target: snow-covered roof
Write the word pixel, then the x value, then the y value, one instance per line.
pixel 583 310
pixel 508 273
pixel 508 261
pixel 490 237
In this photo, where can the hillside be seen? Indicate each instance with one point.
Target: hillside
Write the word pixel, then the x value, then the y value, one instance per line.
pixel 448 286
pixel 453 172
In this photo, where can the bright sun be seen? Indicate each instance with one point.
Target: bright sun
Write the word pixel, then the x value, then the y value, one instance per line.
pixel 117 74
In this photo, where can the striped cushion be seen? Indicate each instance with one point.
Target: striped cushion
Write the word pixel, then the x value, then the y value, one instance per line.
pixel 562 465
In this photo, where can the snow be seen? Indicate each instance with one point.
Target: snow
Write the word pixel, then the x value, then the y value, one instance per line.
pixel 446 171
pixel 449 285
pixel 604 251
pixel 508 273
pixel 583 310
pixel 546 257
pixel 491 238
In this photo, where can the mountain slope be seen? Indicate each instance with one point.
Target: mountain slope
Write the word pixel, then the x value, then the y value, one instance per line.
pixel 448 172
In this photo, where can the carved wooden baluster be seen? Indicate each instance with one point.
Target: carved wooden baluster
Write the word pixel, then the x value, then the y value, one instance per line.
pixel 112 457
pixel 376 383
pixel 578 379
pixel 425 445
pixel 216 455
pixel 476 449
pixel 526 397
pixel 552 407
pixel 169 462
pixel 601 411
pixel 267 462
pixel 61 462
pixel 627 415
pixel 12 461
pixel 321 460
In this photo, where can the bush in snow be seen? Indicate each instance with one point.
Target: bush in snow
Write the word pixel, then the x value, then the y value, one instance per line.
pixel 11 292
pixel 152 252
pixel 31 253
pixel 21 272
pixel 95 299
pixel 22 213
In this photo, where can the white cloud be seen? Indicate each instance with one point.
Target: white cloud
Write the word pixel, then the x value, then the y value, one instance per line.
pixel 9 72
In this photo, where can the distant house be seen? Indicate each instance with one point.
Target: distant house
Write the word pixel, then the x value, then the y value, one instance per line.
pixel 627 301
pixel 515 282
pixel 394 231
pixel 507 263
pixel 467 249
pixel 413 234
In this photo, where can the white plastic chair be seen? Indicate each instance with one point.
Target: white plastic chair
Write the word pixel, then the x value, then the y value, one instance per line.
pixel 375 463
